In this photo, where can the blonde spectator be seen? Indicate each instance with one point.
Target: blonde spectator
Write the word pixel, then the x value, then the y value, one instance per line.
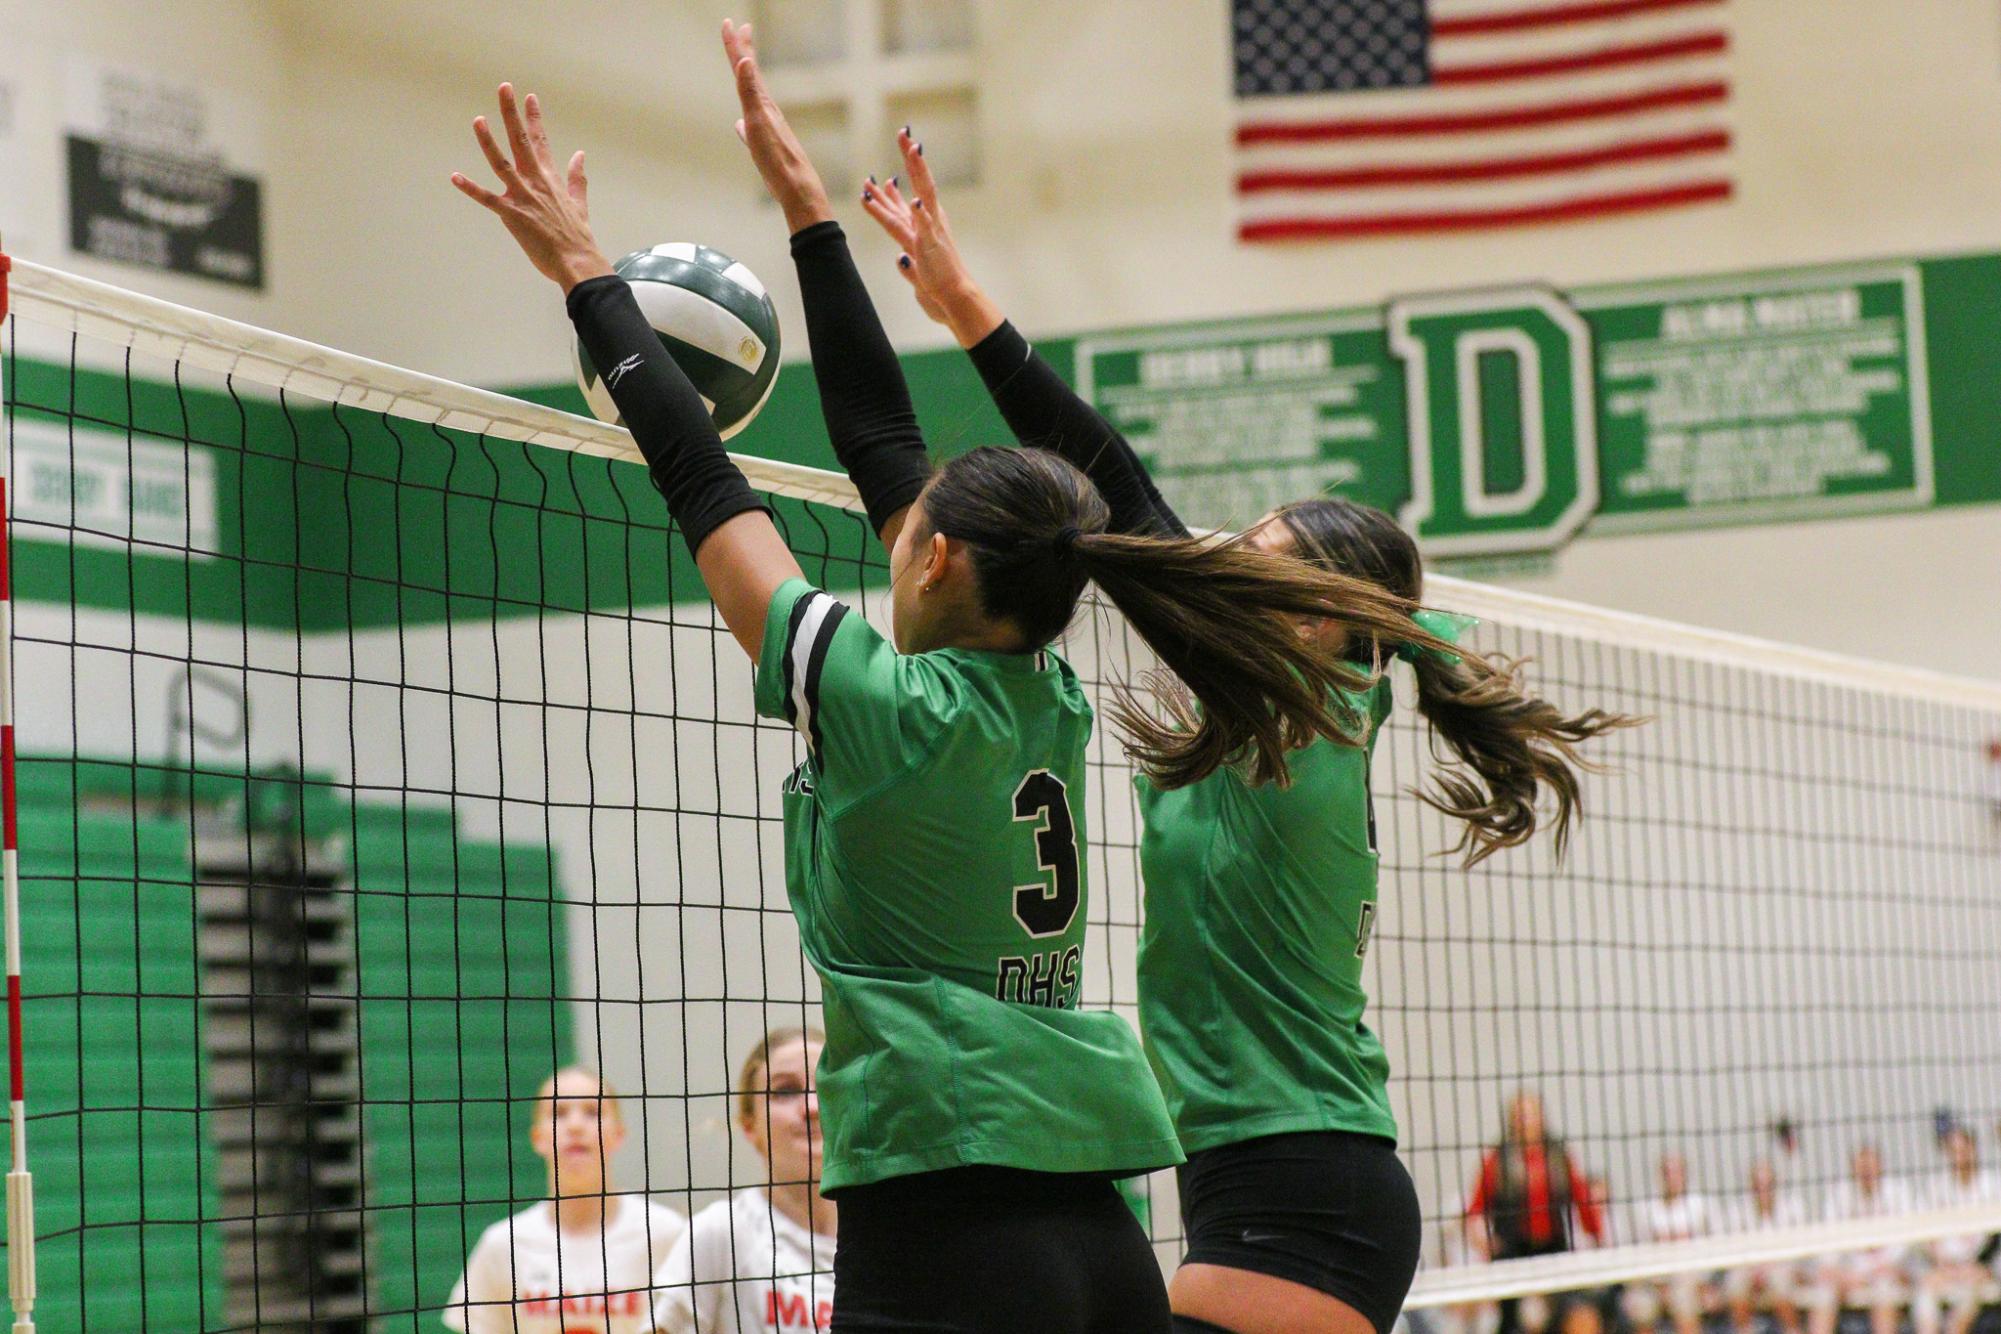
pixel 1956 1280
pixel 581 1258
pixel 762 1259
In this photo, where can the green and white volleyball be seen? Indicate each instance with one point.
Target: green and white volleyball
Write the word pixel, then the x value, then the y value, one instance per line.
pixel 713 317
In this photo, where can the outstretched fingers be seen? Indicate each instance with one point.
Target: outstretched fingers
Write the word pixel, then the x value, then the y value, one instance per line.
pixel 892 193
pixel 889 214
pixel 538 135
pixel 476 192
pixel 919 170
pixel 483 133
pixel 739 45
pixel 919 221
pixel 517 131
pixel 549 222
pixel 738 41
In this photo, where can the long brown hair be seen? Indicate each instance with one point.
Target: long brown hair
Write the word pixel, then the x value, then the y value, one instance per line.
pixel 1223 616
pixel 1506 745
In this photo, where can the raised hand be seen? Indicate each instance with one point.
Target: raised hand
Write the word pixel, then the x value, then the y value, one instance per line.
pixel 930 261
pixel 788 173
pixel 547 212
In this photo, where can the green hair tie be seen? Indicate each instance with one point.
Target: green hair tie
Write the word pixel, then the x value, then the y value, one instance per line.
pixel 1446 625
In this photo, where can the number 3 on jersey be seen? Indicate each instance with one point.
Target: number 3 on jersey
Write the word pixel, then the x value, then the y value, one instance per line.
pixel 1047 909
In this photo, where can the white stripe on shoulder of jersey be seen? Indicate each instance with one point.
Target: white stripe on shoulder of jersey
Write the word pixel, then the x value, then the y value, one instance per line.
pixel 818 608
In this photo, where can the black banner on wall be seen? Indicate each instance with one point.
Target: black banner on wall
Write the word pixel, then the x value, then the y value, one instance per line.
pixel 165 211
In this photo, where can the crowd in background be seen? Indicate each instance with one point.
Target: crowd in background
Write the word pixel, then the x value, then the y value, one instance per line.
pixel 762 1258
pixel 1532 1197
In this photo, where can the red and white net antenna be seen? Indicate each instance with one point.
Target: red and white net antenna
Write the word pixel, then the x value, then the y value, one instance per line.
pixel 20 1184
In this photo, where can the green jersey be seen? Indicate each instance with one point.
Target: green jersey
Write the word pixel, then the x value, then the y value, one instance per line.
pixel 934 844
pixel 1259 904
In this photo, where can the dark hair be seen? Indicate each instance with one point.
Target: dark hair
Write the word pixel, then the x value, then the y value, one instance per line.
pixel 1514 744
pixel 1223 616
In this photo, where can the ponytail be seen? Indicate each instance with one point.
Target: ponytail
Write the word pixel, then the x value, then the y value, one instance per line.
pixel 1223 616
pixel 1503 746
pixel 1515 746
pixel 1226 620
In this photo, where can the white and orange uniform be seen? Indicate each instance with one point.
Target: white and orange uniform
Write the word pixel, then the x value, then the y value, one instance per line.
pixel 745 1268
pixel 526 1277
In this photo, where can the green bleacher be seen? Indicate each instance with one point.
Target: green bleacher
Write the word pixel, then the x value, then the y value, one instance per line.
pixel 477 931
pixel 460 947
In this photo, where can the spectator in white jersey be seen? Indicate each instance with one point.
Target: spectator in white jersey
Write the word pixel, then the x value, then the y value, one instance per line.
pixel 1673 1215
pixel 1875 1279
pixel 578 1261
pixel 1957 1281
pixel 1774 1286
pixel 763 1259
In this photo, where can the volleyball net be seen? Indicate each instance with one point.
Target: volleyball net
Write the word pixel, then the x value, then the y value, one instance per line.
pixel 377 751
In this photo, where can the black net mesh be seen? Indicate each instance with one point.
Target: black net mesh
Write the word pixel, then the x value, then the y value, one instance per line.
pixel 371 771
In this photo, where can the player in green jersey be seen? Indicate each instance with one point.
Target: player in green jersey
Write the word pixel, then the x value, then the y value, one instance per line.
pixel 974 1115
pixel 1260 895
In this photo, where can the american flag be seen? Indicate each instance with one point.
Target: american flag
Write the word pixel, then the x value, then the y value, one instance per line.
pixel 1404 117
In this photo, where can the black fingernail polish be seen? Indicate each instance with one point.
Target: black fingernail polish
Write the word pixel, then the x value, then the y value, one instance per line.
pixel 903 260
pixel 920 150
pixel 868 196
pixel 917 203
pixel 906 131
pixel 894 180
pixel 871 179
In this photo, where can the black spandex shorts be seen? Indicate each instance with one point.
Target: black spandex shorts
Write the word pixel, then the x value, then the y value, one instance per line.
pixel 1334 1211
pixel 974 1250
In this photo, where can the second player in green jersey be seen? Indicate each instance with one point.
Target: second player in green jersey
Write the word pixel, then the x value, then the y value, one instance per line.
pixel 1261 878
pixel 1260 901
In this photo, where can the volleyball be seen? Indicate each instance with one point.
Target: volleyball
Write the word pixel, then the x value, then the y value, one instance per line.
pixel 713 317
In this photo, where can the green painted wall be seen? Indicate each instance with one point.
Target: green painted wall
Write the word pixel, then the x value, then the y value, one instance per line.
pixel 332 518
pixel 124 1160
pixel 329 518
pixel 462 965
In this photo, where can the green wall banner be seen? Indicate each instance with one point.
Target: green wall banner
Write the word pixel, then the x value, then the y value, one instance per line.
pixel 1740 401
pixel 1496 422
pixel 1509 420
pixel 109 490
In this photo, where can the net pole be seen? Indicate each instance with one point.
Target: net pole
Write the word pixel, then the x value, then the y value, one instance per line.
pixel 20 1182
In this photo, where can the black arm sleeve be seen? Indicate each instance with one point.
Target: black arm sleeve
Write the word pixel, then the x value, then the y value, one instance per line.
pixel 862 394
pixel 1045 412
pixel 667 418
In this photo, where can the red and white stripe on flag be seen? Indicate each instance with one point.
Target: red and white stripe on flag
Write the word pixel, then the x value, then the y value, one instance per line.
pixel 1533 111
